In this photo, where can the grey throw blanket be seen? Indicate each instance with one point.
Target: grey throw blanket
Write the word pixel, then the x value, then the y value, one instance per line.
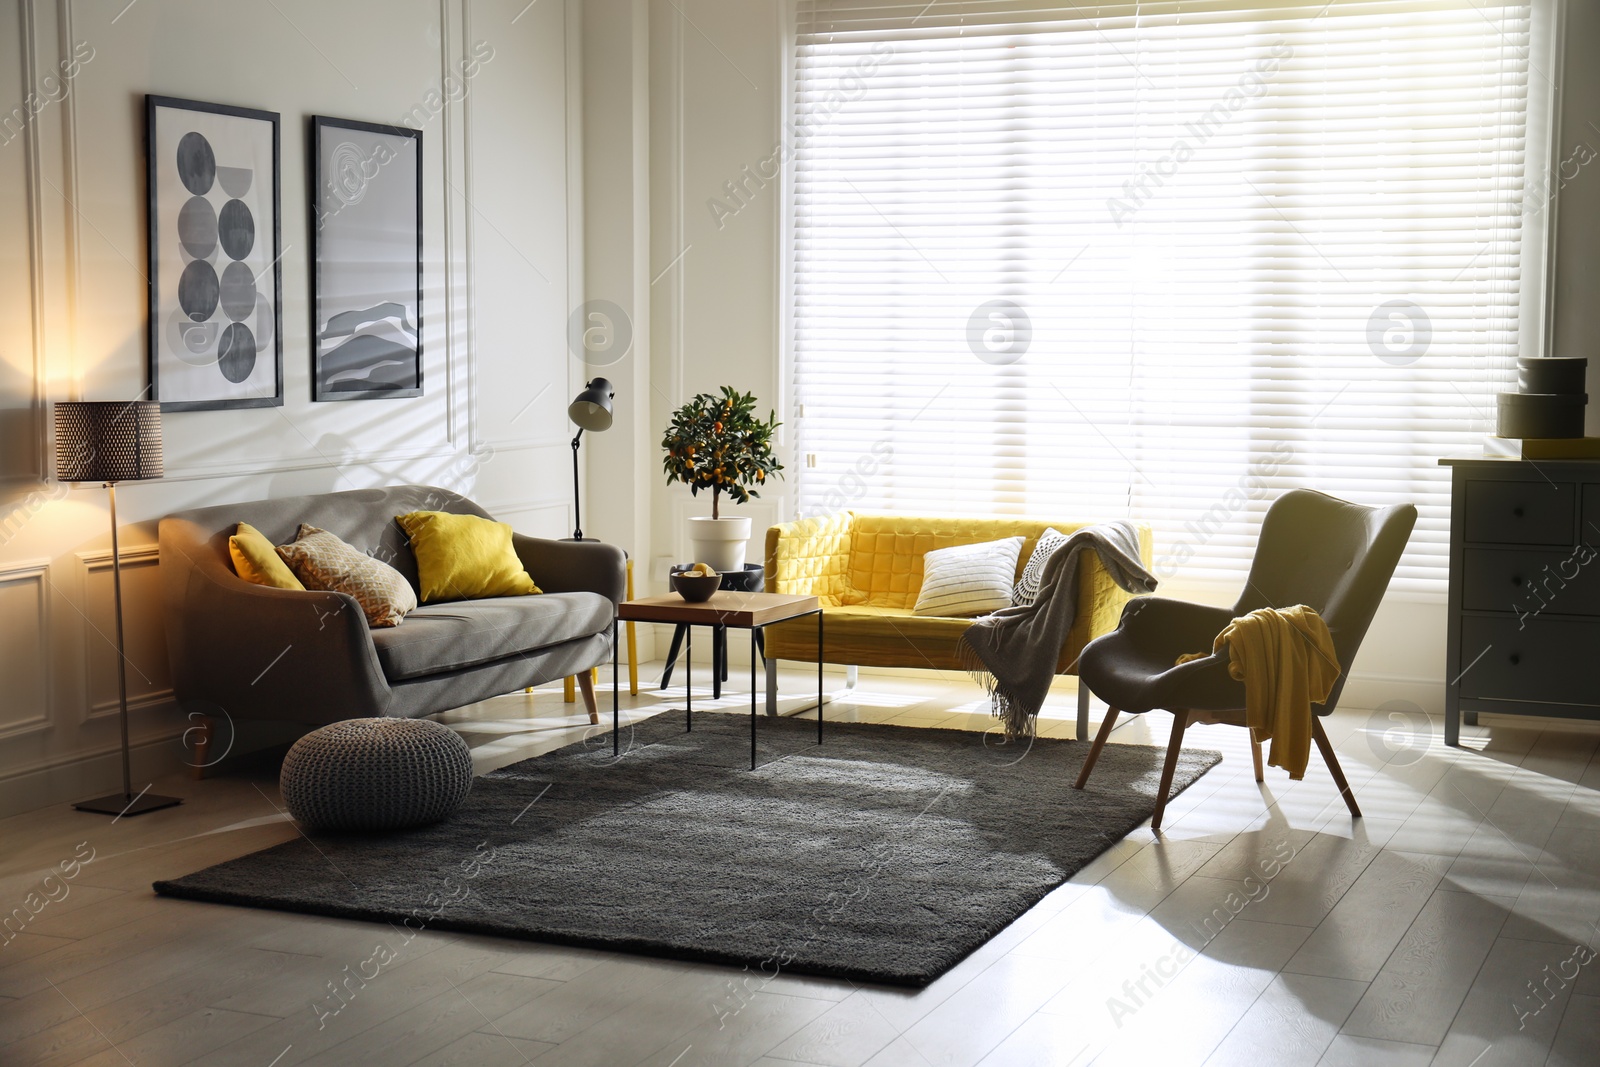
pixel 1013 652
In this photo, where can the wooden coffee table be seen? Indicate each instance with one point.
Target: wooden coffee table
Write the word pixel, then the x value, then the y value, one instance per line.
pixel 726 608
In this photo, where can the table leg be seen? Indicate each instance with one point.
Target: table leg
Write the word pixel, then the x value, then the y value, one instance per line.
pixel 753 633
pixel 719 660
pixel 688 678
pixel 672 654
pixel 819 677
pixel 615 714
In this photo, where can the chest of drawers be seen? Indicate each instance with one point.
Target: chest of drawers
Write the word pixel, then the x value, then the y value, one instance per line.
pixel 1524 607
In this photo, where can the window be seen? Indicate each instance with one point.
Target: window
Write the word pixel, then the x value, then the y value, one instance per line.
pixel 1160 260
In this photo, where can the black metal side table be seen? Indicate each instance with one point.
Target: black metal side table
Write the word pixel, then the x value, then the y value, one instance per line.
pixel 749 580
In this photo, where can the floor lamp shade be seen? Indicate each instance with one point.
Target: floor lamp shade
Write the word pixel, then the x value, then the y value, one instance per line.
pixel 113 441
pixel 108 441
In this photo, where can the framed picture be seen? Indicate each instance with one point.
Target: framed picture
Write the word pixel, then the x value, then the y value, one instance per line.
pixel 366 260
pixel 215 281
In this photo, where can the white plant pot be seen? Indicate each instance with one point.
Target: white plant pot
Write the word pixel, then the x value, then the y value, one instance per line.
pixel 720 542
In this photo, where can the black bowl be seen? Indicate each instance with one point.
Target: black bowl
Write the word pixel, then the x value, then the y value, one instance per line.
pixel 694 588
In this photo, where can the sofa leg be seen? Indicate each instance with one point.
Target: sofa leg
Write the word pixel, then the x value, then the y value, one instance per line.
pixel 851 675
pixel 1083 710
pixel 203 730
pixel 772 687
pixel 586 683
pixel 567 693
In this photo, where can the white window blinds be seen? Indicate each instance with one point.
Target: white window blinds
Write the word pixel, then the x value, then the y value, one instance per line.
pixel 1157 259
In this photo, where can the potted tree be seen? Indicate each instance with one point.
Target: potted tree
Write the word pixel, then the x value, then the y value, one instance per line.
pixel 717 442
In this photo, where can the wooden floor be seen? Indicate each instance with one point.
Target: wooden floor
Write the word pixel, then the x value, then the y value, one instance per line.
pixel 1452 925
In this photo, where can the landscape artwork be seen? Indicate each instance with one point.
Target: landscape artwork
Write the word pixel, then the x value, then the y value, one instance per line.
pixel 367 260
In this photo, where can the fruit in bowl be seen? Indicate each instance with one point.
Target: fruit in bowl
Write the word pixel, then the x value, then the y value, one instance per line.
pixel 695 583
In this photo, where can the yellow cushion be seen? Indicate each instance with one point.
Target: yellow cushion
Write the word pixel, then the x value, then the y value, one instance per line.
pixel 255 559
pixel 464 557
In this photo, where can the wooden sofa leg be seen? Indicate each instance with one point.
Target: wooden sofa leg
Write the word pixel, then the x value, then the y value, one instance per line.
pixel 1323 746
pixel 1180 722
pixel 1255 755
pixel 1100 739
pixel 586 683
pixel 203 730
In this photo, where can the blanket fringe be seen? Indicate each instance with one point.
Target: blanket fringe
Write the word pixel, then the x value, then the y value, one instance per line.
pixel 1019 722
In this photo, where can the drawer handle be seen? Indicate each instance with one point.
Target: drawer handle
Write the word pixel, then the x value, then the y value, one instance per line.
pixel 1515 659
pixel 1517 512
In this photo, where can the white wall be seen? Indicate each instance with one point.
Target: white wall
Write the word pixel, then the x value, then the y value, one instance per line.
pixel 501 165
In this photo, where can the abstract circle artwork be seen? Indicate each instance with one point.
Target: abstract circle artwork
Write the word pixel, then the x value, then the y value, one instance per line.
pixel 214 249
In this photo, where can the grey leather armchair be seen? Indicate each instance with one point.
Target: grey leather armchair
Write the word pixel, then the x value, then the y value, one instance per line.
pixel 1314 549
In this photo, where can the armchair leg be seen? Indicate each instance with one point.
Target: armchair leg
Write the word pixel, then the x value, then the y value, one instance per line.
pixel 586 683
pixel 1100 739
pixel 1180 722
pixel 1323 746
pixel 567 694
pixel 1083 712
pixel 1255 754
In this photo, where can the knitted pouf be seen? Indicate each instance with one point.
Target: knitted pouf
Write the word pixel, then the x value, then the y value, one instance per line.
pixel 376 774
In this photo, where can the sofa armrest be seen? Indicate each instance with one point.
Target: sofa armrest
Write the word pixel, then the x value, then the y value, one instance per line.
pixel 574 566
pixel 808 557
pixel 252 652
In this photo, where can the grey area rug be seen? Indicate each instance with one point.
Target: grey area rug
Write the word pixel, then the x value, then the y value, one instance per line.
pixel 887 854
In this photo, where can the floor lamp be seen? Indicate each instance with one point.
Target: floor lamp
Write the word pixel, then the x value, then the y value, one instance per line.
pixel 111 442
pixel 591 410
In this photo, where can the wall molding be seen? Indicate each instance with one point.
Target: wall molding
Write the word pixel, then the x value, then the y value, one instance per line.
pixel 38 571
pixel 33 181
pixel 208 471
pixel 94 561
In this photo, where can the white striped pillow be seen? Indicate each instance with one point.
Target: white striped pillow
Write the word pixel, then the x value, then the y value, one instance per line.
pixel 968 579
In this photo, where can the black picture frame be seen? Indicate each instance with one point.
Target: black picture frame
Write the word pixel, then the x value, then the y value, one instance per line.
pixel 366 260
pixel 204 205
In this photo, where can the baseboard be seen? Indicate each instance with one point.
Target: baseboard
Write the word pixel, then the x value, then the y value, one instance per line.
pixel 93 774
pixel 1540 722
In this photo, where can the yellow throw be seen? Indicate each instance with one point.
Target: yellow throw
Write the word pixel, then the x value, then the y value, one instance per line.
pixel 1286 660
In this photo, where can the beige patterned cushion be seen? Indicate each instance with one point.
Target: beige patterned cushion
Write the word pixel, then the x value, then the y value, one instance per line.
pixel 322 561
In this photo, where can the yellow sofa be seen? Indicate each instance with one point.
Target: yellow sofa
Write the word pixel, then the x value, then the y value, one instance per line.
pixel 867 571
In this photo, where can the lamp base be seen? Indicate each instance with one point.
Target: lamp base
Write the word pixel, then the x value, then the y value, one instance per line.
pixel 121 804
pixel 581 540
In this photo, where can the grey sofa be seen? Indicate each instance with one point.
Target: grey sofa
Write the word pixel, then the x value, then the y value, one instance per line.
pixel 250 652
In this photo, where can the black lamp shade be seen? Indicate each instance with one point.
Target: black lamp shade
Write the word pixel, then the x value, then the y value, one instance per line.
pixel 108 441
pixel 592 408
